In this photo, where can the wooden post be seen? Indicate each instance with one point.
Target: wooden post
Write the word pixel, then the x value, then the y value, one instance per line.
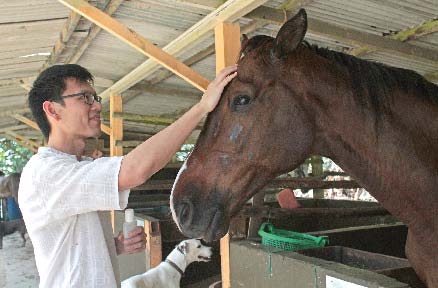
pixel 153 242
pixel 317 170
pixel 256 221
pixel 227 44
pixel 116 126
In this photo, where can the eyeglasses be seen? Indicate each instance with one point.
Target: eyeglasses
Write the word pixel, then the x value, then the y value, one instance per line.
pixel 88 97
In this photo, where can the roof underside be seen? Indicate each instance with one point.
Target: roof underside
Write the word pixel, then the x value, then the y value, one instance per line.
pixel 38 33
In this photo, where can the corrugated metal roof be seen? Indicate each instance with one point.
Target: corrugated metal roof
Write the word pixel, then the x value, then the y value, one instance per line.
pixel 30 29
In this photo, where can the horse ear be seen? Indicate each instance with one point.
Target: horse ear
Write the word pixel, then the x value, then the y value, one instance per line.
pixel 290 35
pixel 244 40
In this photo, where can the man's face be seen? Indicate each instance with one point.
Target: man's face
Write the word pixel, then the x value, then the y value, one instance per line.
pixel 78 118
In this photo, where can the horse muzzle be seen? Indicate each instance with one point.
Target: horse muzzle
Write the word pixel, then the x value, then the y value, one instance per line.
pixel 199 217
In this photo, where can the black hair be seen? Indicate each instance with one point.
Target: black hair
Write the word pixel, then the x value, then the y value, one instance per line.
pixel 49 86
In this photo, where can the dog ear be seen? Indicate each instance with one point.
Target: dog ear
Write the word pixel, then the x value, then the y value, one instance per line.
pixel 187 247
pixel 183 248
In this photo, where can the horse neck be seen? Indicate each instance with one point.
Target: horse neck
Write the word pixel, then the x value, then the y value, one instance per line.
pixel 398 169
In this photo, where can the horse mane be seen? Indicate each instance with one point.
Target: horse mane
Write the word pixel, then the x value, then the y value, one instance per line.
pixel 373 84
pixel 379 80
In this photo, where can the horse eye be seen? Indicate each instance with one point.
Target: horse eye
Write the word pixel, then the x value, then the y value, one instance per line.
pixel 240 102
pixel 199 246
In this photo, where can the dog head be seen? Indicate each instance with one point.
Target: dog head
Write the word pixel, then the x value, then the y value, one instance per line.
pixel 193 250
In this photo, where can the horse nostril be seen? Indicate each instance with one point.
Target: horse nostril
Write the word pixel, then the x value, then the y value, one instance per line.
pixel 185 213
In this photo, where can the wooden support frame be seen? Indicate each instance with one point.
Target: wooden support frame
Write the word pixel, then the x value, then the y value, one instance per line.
pixel 22 143
pixel 227 39
pixel 231 10
pixel 27 121
pixel 116 131
pixel 154 254
pixel 136 41
pixel 116 125
pixel 23 139
pixel 110 8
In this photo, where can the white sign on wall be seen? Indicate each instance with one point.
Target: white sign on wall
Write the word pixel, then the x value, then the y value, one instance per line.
pixel 332 282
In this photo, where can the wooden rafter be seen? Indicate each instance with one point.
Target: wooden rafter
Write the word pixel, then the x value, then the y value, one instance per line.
pixel 293 5
pixel 23 138
pixel 16 81
pixel 426 28
pixel 21 143
pixel 163 75
pixel 433 76
pixel 105 129
pixel 110 8
pixel 229 11
pixel 64 36
pixel 13 128
pixel 14 110
pixel 136 41
pixel 27 121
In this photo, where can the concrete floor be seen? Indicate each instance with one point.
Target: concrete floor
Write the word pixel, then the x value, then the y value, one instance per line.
pixel 17 264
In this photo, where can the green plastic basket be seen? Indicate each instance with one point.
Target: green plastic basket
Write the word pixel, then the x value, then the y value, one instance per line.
pixel 288 240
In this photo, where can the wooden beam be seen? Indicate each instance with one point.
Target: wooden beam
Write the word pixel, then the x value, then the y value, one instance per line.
pixel 230 11
pixel 27 121
pixel 144 119
pixel 153 242
pixel 361 51
pixel 23 139
pixel 110 8
pixel 21 143
pixel 279 213
pixel 116 124
pixel 13 128
pixel 317 170
pixel 16 81
pixel 14 110
pixel 163 75
pixel 294 5
pixel 105 129
pixel 102 82
pixel 278 183
pixel 227 45
pixel 131 143
pixel 136 41
pixel 66 32
pixel 174 91
pixel 426 28
pixel 432 76
pixel 350 36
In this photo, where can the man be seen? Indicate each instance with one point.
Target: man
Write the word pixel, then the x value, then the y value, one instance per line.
pixel 65 197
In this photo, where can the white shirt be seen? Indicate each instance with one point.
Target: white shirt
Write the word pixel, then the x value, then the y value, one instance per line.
pixel 65 204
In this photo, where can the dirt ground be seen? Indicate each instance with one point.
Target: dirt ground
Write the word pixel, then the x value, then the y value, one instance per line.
pixel 17 264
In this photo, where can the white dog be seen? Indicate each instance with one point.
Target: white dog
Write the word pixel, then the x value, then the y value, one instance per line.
pixel 168 273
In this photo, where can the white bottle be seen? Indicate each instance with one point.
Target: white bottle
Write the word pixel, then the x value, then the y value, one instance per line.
pixel 129 224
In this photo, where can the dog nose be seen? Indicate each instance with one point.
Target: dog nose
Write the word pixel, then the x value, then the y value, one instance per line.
pixel 185 214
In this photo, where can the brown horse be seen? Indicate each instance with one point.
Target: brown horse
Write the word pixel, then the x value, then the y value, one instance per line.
pixel 290 100
pixel 9 185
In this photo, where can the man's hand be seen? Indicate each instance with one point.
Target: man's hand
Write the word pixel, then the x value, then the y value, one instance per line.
pixel 214 90
pixel 134 244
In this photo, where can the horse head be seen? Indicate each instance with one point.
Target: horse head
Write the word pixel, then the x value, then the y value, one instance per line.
pixel 256 132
